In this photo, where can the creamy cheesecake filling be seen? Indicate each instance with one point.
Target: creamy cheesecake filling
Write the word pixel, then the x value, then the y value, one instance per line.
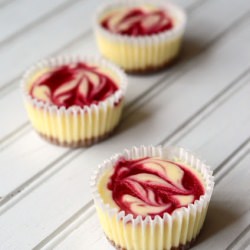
pixel 77 84
pixel 137 21
pixel 150 186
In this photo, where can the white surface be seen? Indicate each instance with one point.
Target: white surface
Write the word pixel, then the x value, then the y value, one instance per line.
pixel 201 103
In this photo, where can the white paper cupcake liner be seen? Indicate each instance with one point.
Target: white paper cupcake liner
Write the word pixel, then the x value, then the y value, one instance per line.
pixel 141 53
pixel 170 231
pixel 74 126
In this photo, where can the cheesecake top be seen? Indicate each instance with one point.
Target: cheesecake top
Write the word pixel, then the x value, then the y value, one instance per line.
pixel 150 186
pixel 75 84
pixel 137 21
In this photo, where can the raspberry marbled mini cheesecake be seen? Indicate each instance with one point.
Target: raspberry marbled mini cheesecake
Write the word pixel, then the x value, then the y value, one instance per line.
pixel 140 36
pixel 74 101
pixel 152 198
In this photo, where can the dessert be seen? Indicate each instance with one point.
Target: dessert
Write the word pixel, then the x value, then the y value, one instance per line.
pixel 74 101
pixel 152 198
pixel 140 36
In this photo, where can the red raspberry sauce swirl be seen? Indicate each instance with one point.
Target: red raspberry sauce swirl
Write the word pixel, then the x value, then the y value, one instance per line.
pixel 75 84
pixel 153 186
pixel 139 22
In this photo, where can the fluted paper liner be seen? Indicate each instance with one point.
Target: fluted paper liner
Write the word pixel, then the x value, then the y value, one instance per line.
pixel 141 53
pixel 170 231
pixel 74 126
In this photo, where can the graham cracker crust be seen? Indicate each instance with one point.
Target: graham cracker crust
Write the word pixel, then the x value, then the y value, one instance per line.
pixel 180 247
pixel 77 144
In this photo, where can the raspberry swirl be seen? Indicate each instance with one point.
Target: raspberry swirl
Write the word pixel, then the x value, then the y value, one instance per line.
pixel 153 186
pixel 137 22
pixel 75 84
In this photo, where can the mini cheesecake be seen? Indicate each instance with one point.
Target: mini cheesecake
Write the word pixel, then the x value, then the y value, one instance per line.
pixel 152 202
pixel 74 102
pixel 140 36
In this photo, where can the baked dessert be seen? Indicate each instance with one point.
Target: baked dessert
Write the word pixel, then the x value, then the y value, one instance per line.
pixel 74 101
pixel 152 198
pixel 140 36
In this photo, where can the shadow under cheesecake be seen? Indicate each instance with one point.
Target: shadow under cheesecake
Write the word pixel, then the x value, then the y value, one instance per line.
pixel 218 218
